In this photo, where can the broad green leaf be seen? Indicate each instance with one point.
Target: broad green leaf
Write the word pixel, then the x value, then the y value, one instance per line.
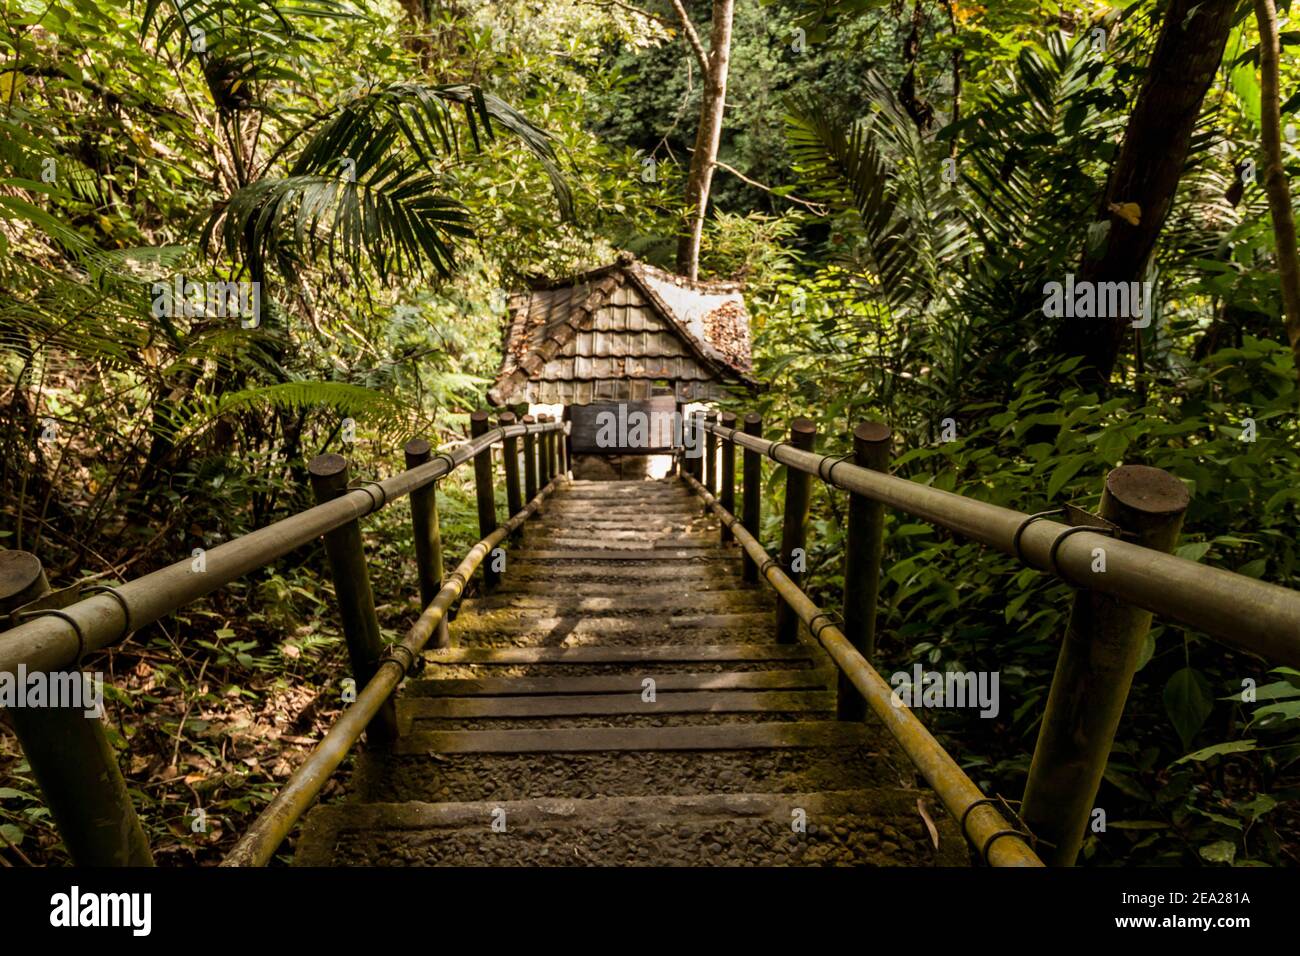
pixel 1231 747
pixel 1221 851
pixel 1188 703
pixel 1193 551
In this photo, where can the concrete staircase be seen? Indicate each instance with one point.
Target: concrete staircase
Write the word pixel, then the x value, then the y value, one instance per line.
pixel 620 700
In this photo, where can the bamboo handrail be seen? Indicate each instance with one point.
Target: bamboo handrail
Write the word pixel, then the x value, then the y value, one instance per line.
pixel 50 643
pixel 986 828
pixel 1253 615
pixel 258 845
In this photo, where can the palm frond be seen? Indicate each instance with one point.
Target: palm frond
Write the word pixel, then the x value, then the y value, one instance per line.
pixel 368 188
pixel 422 116
pixel 843 168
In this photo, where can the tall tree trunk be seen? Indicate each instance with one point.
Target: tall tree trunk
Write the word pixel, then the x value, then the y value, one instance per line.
pixel 708 136
pixel 1186 58
pixel 1275 181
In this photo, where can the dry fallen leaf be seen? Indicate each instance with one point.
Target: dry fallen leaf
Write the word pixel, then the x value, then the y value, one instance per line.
pixel 1130 212
pixel 929 824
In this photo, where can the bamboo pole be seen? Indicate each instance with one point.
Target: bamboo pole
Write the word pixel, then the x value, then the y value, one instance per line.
pixel 510 456
pixel 1238 610
pixel 347 560
pixel 50 643
pixel 752 492
pixel 711 454
pixel 530 461
pixel 68 751
pixel 258 845
pixel 986 828
pixel 544 472
pixel 427 534
pixel 798 498
pixel 728 449
pixel 862 558
pixel 1095 669
pixel 484 494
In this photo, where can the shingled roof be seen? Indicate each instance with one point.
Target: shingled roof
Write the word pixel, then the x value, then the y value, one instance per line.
pixel 622 333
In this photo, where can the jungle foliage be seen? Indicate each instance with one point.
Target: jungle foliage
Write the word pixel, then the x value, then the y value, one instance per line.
pixel 900 180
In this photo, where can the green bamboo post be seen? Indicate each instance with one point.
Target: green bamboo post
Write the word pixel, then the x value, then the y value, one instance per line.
pixel 862 559
pixel 428 536
pixel 510 453
pixel 798 498
pixel 347 560
pixel 485 495
pixel 753 494
pixel 728 496
pixel 69 753
pixel 530 461
pixel 711 455
pixel 1094 670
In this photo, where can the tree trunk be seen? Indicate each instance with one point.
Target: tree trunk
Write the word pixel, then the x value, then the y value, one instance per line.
pixel 1275 181
pixel 1150 163
pixel 709 134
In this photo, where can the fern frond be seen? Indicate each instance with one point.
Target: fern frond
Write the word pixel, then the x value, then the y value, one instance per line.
pixel 372 410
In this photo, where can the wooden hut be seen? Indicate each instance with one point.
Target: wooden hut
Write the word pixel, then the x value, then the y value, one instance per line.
pixel 621 341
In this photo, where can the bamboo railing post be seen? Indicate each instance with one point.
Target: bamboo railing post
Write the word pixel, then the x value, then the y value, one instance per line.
pixel 530 461
pixel 544 453
pixel 347 560
pixel 557 449
pixel 798 497
pixel 752 490
pixel 484 494
pixel 428 536
pixel 691 455
pixel 562 443
pixel 728 496
pixel 679 454
pixel 866 535
pixel 510 454
pixel 69 753
pixel 711 455
pixel 1095 668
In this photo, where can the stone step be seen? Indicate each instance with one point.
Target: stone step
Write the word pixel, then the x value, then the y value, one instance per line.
pixel 501 629
pixel 598 601
pixel 631 704
pixel 793 679
pixel 617 655
pixel 417 715
pixel 822 733
pixel 542 536
pixel 876 827
pixel 627 491
pixel 757 615
pixel 623 578
pixel 588 553
pixel 644 669
pixel 684 510
pixel 599 542
pixel 603 521
pixel 386 776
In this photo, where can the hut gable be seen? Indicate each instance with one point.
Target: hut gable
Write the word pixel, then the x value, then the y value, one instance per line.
pixel 623 333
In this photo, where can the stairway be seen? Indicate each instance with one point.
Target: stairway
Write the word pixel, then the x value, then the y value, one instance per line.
pixel 620 700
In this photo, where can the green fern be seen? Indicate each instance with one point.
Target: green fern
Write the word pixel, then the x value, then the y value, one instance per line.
pixel 374 411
